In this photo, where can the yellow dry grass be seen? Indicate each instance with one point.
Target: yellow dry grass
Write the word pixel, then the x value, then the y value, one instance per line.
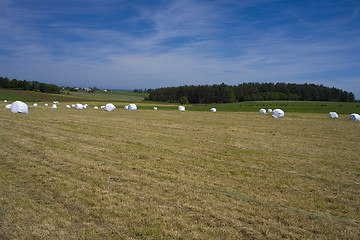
pixel 91 174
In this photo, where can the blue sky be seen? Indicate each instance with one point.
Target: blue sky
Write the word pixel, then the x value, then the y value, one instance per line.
pixel 151 44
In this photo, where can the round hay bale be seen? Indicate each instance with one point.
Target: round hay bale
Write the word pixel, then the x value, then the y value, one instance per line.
pixel 333 115
pixel 19 107
pixel 355 117
pixel 54 106
pixel 269 110
pixel 35 105
pixel 79 106
pixel 8 106
pixel 46 105
pixel 278 113
pixel 132 107
pixel 213 109
pixel 181 108
pixel 102 107
pixel 67 106
pixel 109 107
pixel 96 107
pixel 155 108
pixel 5 101
pixel 262 111
pixel 126 107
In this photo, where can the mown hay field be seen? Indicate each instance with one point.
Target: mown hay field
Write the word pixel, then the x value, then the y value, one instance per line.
pixel 91 174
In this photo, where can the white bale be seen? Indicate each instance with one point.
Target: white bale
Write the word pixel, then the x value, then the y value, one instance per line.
pixel 333 115
pixel 213 109
pixel 96 107
pixel 5 100
pixel 132 106
pixel 126 107
pixel 102 107
pixel 73 105
pixel 46 105
pixel 8 106
pixel 35 105
pixel 355 117
pixel 84 106
pixel 155 108
pixel 109 107
pixel 54 106
pixel 278 113
pixel 262 111
pixel 54 102
pixel 67 106
pixel 181 108
pixel 19 107
pixel 79 106
pixel 269 110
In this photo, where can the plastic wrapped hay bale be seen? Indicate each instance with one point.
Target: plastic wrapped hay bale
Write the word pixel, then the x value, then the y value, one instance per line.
pixel 96 107
pixel 8 106
pixel 333 115
pixel 19 107
pixel 213 109
pixel 278 113
pixel 262 111
pixel 73 105
pixel 109 107
pixel 46 105
pixel 79 106
pixel 181 108
pixel 54 106
pixel 68 106
pixel 5 101
pixel 102 107
pixel 269 110
pixel 126 107
pixel 132 107
pixel 155 108
pixel 355 117
pixel 35 105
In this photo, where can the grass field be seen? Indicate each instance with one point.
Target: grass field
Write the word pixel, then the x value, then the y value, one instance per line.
pixel 31 96
pixel 121 98
pixel 288 106
pixel 91 174
pixel 112 95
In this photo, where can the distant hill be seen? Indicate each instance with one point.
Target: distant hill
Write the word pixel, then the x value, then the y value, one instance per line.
pixel 82 96
pixel 32 96
pixel 249 92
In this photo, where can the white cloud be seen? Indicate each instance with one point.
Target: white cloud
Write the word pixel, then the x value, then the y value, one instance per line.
pixel 185 42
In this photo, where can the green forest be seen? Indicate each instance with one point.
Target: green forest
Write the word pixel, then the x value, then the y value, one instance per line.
pixel 28 85
pixel 223 93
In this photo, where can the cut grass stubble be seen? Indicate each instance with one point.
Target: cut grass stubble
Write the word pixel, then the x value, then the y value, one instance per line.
pixel 165 174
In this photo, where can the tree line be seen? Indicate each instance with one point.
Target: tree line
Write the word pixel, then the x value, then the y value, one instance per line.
pixel 142 90
pixel 223 93
pixel 28 85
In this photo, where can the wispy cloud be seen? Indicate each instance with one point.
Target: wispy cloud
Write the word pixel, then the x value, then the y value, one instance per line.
pixel 132 45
